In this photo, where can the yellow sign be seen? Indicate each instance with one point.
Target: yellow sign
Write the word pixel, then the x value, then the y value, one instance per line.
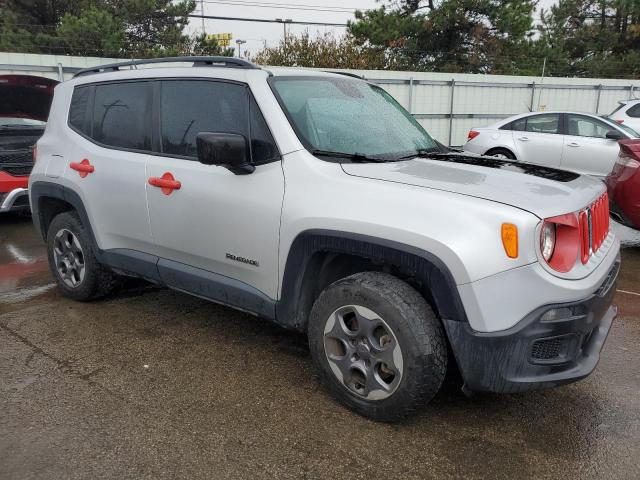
pixel 223 39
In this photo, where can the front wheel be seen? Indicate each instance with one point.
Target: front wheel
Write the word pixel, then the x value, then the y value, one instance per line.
pixel 378 346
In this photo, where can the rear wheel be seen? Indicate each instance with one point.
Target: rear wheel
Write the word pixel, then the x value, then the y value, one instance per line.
pixel 378 346
pixel 502 153
pixel 78 273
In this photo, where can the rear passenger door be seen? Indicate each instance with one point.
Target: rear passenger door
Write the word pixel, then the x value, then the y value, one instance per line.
pixel 217 221
pixel 112 125
pixel 586 148
pixel 538 139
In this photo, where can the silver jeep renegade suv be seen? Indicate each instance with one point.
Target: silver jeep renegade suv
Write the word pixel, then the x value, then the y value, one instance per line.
pixel 316 201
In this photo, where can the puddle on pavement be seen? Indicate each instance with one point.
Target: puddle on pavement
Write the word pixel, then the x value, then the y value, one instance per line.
pixel 23 261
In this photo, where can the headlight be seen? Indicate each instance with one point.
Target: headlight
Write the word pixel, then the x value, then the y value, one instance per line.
pixel 548 240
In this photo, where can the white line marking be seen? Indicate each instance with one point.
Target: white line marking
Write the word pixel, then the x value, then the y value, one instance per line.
pixel 630 293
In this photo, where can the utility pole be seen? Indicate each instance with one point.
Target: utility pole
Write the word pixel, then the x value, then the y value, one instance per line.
pixel 284 27
pixel 202 13
pixel 239 43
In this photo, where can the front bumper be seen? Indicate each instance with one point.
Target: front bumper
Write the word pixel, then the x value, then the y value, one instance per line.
pixel 15 200
pixel 14 194
pixel 540 351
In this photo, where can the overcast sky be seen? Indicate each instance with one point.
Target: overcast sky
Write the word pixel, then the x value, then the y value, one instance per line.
pixel 257 34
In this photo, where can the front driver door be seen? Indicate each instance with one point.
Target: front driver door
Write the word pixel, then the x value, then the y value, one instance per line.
pixel 586 148
pixel 218 228
pixel 538 140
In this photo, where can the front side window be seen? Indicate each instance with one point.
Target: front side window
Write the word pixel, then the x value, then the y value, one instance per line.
pixel 549 123
pixel 189 107
pixel 121 115
pixel 349 116
pixel 581 126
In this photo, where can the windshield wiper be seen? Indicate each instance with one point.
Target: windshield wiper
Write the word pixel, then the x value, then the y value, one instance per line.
pixel 354 157
pixel 427 152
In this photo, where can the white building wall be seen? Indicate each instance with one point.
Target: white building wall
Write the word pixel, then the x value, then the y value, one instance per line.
pixel 477 99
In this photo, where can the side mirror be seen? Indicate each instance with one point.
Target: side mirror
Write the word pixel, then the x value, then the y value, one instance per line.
pixel 614 135
pixel 228 150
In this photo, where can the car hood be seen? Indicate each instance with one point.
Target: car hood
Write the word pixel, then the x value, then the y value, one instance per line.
pixel 26 96
pixel 545 192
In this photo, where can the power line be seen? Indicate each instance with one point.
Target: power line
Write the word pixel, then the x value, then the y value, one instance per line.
pixel 265 20
pixel 315 8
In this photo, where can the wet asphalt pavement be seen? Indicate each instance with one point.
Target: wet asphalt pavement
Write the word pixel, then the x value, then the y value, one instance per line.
pixel 157 384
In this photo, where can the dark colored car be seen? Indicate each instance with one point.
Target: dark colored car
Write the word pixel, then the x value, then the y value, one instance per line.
pixel 24 107
pixel 623 184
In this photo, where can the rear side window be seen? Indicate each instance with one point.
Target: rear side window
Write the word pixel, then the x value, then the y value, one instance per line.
pixel 79 117
pixel 193 106
pixel 543 123
pixel 122 115
pixel 634 111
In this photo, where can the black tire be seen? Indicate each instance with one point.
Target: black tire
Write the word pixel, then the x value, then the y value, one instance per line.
pixel 494 152
pixel 417 330
pixel 98 280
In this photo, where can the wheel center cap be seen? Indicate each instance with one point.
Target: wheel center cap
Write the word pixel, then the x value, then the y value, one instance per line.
pixel 363 350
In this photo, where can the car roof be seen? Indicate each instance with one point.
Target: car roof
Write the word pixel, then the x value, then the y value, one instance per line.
pixel 504 121
pixel 185 70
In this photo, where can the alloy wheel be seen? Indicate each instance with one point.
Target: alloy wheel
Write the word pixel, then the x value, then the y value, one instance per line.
pixel 68 258
pixel 363 352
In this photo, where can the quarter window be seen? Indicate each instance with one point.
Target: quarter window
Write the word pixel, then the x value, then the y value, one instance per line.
pixel 121 115
pixel 263 147
pixel 79 109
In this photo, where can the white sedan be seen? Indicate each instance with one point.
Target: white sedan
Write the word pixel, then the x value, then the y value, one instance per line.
pixel 579 142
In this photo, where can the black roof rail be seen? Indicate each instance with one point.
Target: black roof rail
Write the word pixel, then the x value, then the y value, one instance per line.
pixel 231 62
pixel 346 74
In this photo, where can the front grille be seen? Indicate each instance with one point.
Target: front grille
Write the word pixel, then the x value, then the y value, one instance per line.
pixel 17 170
pixel 16 156
pixel 16 162
pixel 594 227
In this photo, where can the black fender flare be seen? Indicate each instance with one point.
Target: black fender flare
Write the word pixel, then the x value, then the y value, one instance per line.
pixel 40 190
pixel 423 265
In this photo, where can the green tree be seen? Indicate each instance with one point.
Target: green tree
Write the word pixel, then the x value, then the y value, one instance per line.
pixel 586 38
pixel 476 36
pixel 94 31
pixel 118 28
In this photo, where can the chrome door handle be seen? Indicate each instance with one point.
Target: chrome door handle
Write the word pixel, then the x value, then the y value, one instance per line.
pixel 523 139
pixel 573 144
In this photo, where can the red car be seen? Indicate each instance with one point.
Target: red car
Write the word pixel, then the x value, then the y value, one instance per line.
pixel 24 107
pixel 623 184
